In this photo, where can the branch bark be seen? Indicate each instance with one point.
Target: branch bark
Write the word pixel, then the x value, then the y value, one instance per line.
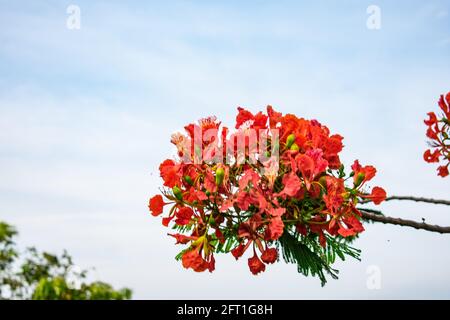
pixel 403 222
pixel 417 199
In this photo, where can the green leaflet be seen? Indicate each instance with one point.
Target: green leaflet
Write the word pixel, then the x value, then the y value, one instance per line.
pixel 227 246
pixel 310 257
pixel 180 254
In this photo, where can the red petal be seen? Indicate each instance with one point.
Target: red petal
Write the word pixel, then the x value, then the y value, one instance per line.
pixel 270 255
pixel 156 205
pixel 256 266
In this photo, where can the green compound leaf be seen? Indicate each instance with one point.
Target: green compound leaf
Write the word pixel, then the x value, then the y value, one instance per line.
pixel 311 258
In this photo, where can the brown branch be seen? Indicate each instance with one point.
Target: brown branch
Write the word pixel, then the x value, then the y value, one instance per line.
pixel 378 212
pixel 402 222
pixel 417 199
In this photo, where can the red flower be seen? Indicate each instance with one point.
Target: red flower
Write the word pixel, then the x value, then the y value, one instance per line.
pixel 362 174
pixel 249 192
pixel 433 132
pixel 238 251
pixel 269 186
pixel 193 259
pixel 181 238
pixel 270 255
pixel 156 205
pixel 275 228
pixel 432 120
pixel 166 220
pixel 353 226
pixel 438 130
pixel 195 195
pixel 276 212
pixel 244 200
pixel 445 105
pixel 257 121
pixel 311 164
pixel 274 117
pixel 184 215
pixel 443 171
pixel 212 264
pixel 249 176
pixel 249 229
pixel 306 166
pixel 210 182
pixel 256 266
pixel 243 116
pixel 292 184
pixel 170 173
pixel 332 146
pixel 377 196
pixel 335 190
pixel 431 157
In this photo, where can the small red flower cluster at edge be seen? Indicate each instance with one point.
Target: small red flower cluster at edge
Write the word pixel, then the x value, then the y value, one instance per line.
pixel 210 203
pixel 439 133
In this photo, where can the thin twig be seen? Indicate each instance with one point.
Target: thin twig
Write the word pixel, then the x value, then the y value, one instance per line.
pixel 417 199
pixel 402 222
pixel 371 211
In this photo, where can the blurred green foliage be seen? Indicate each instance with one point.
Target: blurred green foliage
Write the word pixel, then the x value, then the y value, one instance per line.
pixel 44 276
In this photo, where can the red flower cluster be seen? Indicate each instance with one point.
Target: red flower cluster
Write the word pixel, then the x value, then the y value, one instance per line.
pixel 439 133
pixel 281 174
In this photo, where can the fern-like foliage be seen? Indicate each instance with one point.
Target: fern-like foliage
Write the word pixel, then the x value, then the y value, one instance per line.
pixel 310 257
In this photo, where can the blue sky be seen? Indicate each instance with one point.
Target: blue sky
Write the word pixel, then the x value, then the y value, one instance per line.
pixel 86 117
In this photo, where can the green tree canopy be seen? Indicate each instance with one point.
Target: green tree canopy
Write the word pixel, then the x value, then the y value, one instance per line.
pixel 36 275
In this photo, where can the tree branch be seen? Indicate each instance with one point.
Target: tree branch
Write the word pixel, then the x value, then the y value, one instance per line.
pixel 417 199
pixel 402 222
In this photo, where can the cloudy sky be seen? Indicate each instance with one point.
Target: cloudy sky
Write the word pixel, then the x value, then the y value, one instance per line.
pixel 86 116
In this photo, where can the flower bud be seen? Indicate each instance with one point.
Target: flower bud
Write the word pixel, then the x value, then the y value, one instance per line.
pixel 177 193
pixel 359 179
pixel 290 140
pixel 323 181
pixel 188 179
pixel 294 147
pixel 220 173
